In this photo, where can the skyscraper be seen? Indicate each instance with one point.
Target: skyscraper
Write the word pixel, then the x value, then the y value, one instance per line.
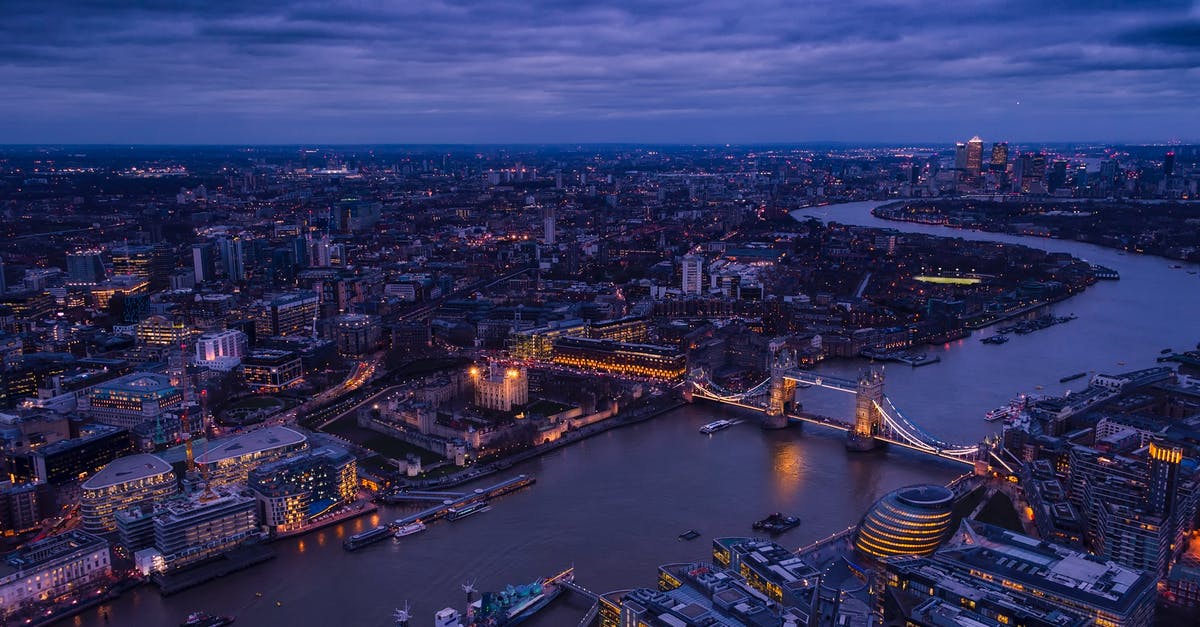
pixel 975 156
pixel 85 267
pixel 693 275
pixel 203 263
pixel 1164 477
pixel 233 257
pixel 1169 164
pixel 999 157
pixel 548 225
pixel 960 156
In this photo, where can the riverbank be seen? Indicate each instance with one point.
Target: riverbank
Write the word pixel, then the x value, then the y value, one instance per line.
pixel 635 416
pixel 1043 226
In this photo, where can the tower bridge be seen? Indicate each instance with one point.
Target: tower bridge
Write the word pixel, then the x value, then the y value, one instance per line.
pixel 876 419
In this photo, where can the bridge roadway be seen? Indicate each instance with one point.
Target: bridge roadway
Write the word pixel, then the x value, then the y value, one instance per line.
pixel 833 423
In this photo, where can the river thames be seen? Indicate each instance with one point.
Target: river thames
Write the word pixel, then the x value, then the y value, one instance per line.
pixel 613 505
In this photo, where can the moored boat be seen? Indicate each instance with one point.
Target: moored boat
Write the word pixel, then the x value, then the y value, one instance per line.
pixel 204 619
pixel 458 513
pixel 409 529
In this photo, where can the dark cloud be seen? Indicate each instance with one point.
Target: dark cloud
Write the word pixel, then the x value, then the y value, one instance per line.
pixel 576 70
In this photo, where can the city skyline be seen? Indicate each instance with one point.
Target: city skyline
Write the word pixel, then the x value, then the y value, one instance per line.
pixel 881 72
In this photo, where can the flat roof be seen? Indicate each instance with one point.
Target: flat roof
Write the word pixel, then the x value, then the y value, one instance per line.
pixel 253 442
pixel 128 468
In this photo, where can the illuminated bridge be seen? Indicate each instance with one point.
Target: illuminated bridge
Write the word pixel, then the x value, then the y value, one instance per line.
pixel 876 419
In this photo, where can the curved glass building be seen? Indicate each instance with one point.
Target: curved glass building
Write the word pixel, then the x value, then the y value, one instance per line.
pixel 913 520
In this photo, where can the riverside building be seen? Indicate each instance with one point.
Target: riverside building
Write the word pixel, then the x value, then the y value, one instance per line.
pixel 52 568
pixel 123 483
pixel 230 460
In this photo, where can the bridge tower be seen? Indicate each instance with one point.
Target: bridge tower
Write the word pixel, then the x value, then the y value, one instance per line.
pixel 783 389
pixel 868 420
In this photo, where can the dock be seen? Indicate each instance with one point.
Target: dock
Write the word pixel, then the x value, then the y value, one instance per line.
pixel 405 496
pixel 440 510
pixel 231 562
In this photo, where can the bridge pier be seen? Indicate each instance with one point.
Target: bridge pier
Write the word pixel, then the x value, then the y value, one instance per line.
pixel 868 421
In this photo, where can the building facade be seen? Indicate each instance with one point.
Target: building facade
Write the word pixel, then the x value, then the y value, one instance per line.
pixel 123 483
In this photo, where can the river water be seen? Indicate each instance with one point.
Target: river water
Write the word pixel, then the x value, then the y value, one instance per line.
pixel 613 505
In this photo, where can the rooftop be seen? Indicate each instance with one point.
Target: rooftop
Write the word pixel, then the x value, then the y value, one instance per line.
pixel 125 469
pixel 253 442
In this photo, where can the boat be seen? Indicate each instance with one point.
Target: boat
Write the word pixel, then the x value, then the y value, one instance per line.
pixel 458 513
pixel 776 523
pixel 508 607
pixel 1072 377
pixel 995 339
pixel 370 536
pixel 716 426
pixel 1000 413
pixel 690 534
pixel 409 529
pixel 204 619
pixel 1165 351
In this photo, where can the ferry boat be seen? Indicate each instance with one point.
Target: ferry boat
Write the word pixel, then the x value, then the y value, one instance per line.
pixel 204 619
pixel 409 529
pixel 370 536
pixel 716 426
pixel 999 413
pixel 458 513
pixel 508 607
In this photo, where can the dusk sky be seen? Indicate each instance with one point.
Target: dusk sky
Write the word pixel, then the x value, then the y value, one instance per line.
pixel 467 71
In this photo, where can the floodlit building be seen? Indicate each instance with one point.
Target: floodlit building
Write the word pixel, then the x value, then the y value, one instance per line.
pixel 292 491
pixel 132 399
pixel 910 521
pixel 221 350
pixel 230 460
pixel 500 389
pixel 124 483
pixel 47 569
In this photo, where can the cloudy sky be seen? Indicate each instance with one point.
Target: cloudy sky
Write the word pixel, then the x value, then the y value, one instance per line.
pixel 464 71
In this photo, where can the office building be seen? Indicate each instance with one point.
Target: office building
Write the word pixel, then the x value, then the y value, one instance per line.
pixel 500 389
pixel 1006 578
pixel 356 334
pixel 65 461
pixel 188 530
pixel 204 262
pixel 641 360
pixel 293 491
pixel 132 399
pixel 48 569
pixel 999 163
pixel 960 157
pixel 233 258
pixel 286 314
pixel 548 225
pixel 910 521
pixel 221 350
pixel 162 331
pixel 974 156
pixel 271 370
pixel 692 272
pixel 230 460
pixel 85 268
pixel 125 482
pixel 768 568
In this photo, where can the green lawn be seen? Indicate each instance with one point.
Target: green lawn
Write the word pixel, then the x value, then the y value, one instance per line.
pixel 385 445
pixel 257 402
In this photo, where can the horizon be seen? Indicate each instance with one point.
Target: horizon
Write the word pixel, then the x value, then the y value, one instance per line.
pixel 546 72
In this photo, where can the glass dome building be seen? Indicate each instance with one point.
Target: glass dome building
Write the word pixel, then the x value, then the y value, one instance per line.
pixel 913 520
